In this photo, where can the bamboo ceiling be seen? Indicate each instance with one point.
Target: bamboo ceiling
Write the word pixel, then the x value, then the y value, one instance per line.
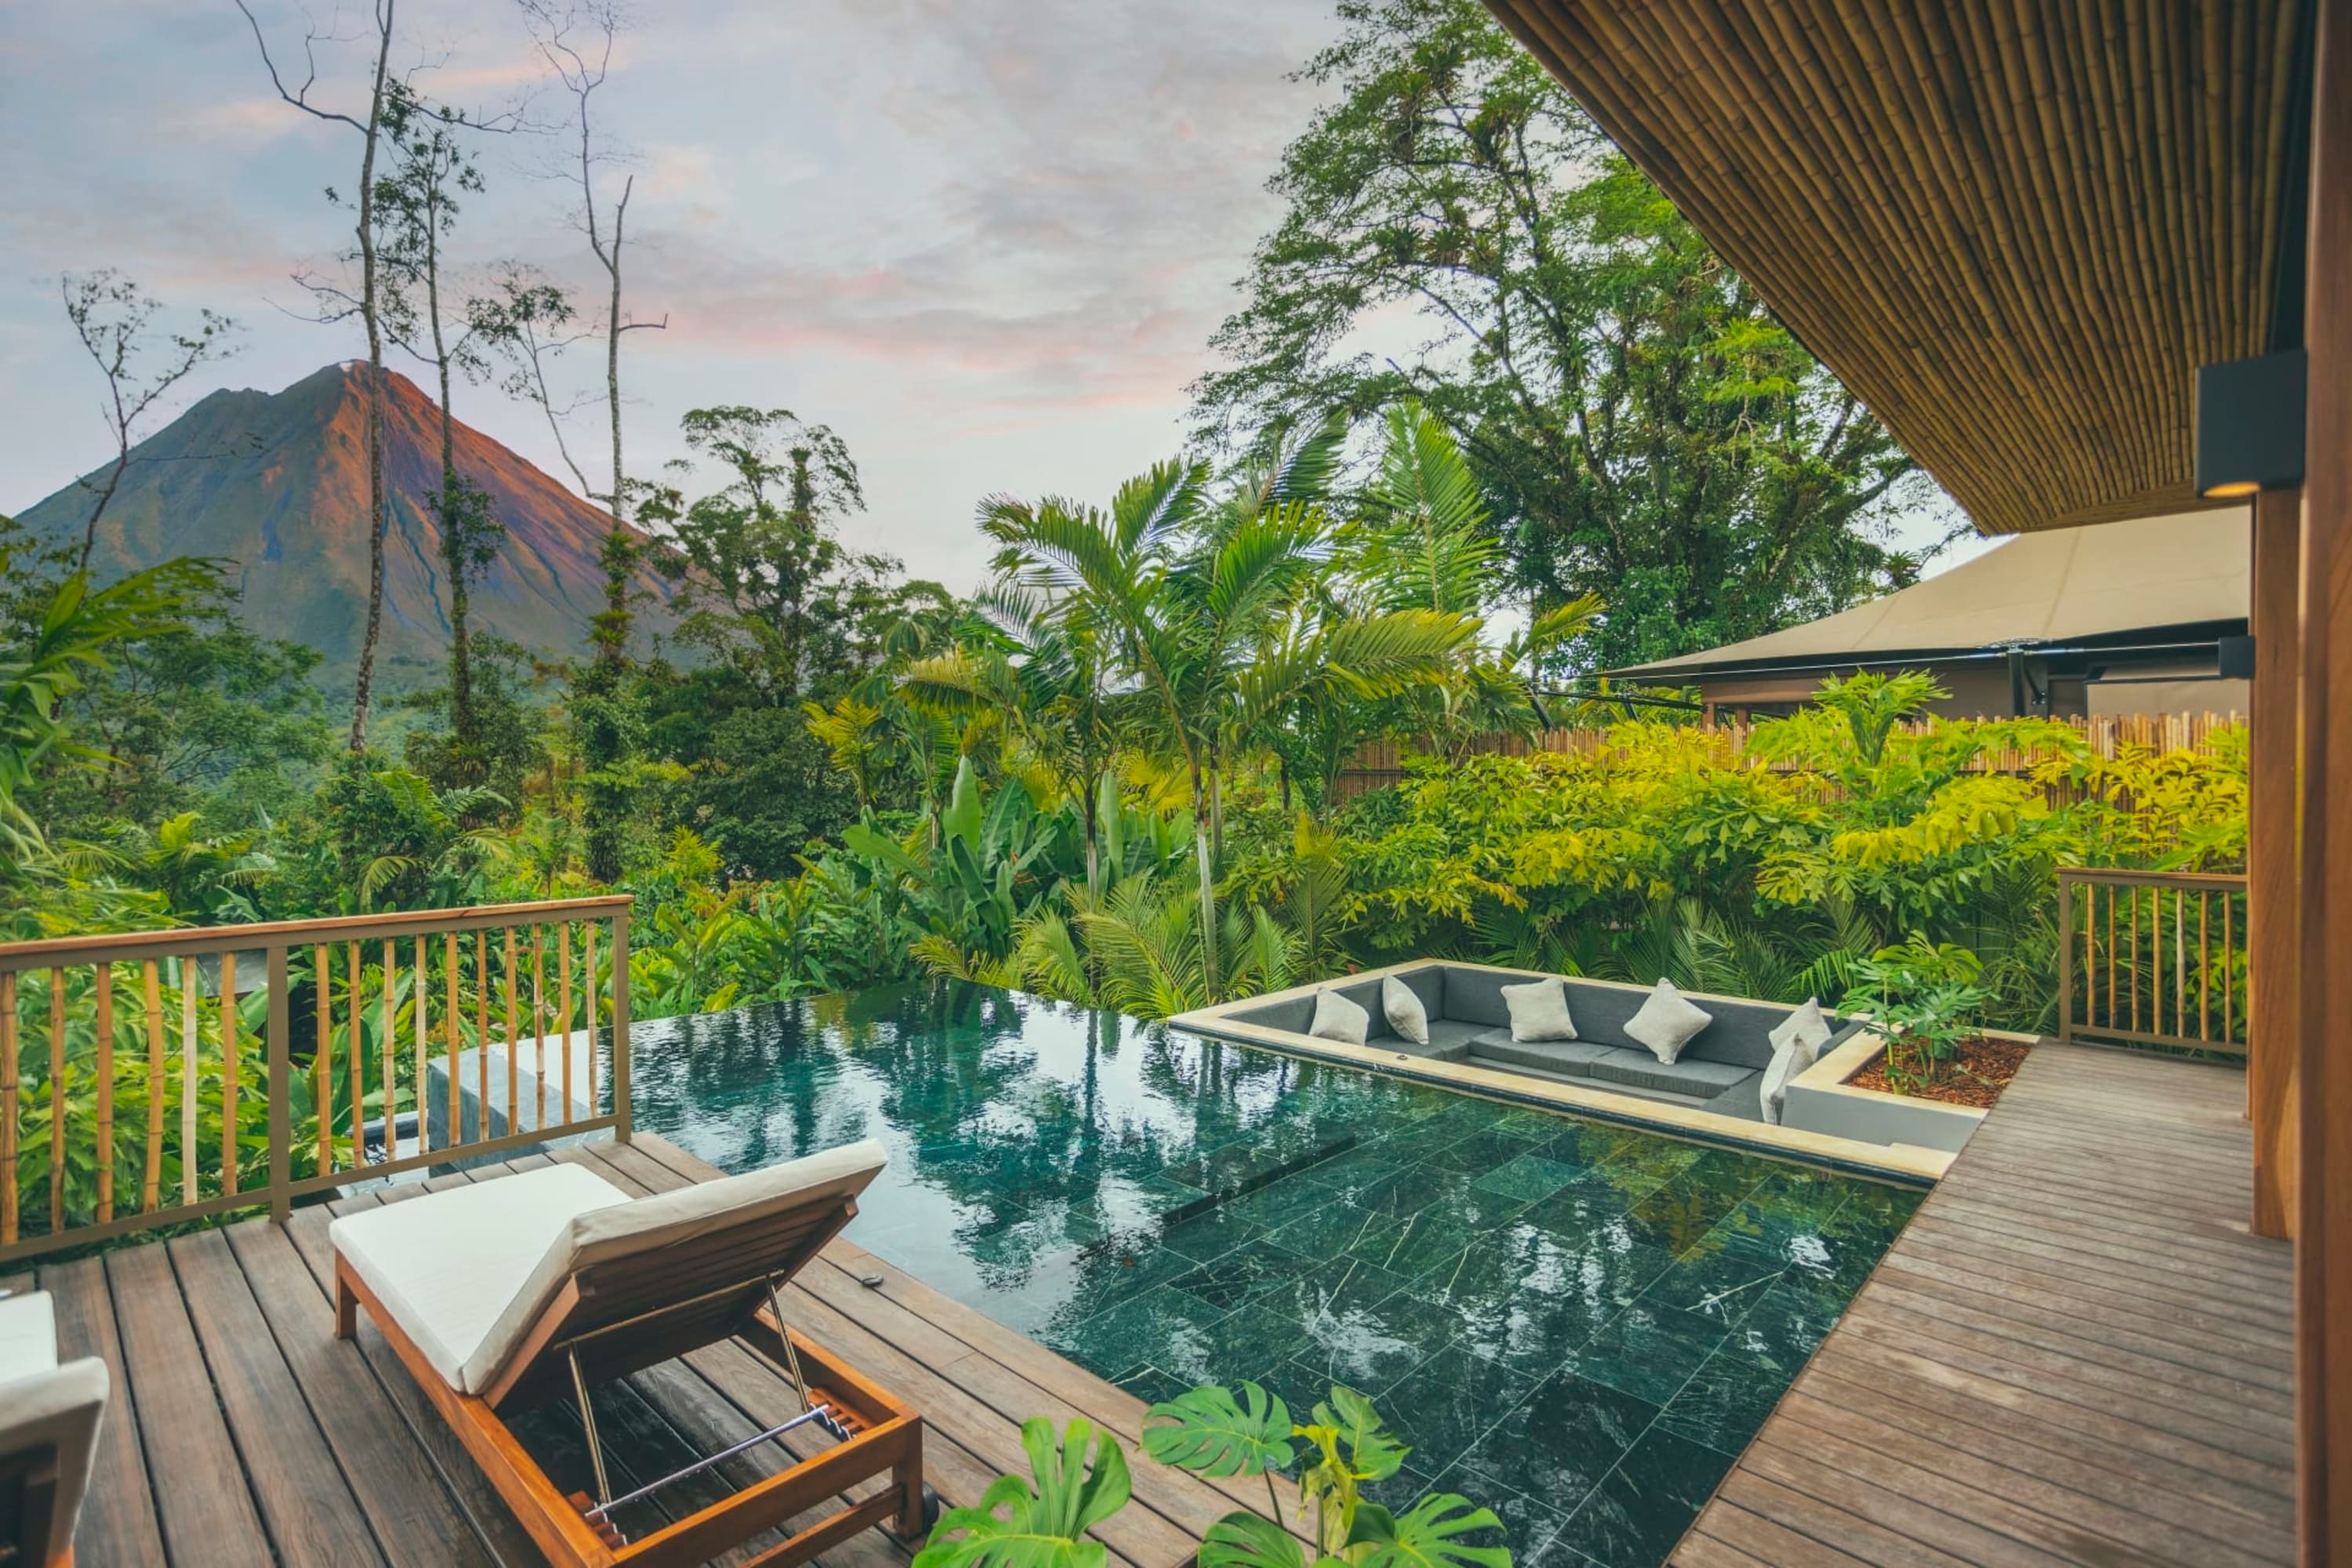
pixel 2013 227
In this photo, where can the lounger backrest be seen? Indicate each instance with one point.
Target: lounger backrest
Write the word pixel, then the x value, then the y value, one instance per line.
pixel 652 1277
pixel 49 1416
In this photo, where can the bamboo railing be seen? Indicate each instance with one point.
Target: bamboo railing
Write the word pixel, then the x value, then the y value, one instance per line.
pixel 156 1077
pixel 2152 958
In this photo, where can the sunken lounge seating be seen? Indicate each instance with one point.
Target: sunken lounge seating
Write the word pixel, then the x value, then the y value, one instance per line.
pixel 1719 1070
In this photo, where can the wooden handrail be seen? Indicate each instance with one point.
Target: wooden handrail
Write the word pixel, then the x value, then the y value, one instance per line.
pixel 2152 959
pixel 133 944
pixel 92 1010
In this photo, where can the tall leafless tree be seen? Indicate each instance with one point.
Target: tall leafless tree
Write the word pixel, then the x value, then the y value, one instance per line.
pixel 369 128
pixel 112 316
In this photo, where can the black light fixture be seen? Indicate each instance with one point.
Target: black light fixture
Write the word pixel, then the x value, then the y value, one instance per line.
pixel 2250 424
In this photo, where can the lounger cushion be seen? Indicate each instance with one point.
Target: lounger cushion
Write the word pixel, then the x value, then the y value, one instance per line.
pixel 604 1233
pixel 447 1266
pixel 28 1335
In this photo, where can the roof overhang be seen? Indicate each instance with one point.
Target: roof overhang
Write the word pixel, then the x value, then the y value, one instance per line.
pixel 2014 231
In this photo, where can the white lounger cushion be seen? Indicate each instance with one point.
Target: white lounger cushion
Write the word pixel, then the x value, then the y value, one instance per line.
pixel 470 1314
pixel 45 1406
pixel 448 1264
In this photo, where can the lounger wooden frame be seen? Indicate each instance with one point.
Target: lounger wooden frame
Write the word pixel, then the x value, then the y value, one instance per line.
pixel 638 1311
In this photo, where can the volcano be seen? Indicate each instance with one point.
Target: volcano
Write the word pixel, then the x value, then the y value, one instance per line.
pixel 276 483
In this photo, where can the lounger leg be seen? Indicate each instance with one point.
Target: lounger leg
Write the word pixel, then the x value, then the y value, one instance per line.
pixel 907 1476
pixel 346 1305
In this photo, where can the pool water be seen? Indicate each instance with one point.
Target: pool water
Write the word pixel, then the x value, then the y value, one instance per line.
pixel 1573 1322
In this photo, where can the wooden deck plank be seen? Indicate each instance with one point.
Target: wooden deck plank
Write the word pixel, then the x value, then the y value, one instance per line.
pixel 2076 1353
pixel 118 1512
pixel 395 1484
pixel 307 1504
pixel 196 1482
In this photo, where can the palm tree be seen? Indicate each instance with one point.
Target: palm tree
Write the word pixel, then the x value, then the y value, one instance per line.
pixel 1204 608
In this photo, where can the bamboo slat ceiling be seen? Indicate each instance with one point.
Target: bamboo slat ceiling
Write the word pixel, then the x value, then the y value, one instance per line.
pixel 2013 227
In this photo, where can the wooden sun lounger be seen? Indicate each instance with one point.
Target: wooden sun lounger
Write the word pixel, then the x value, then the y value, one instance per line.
pixel 540 1286
pixel 49 1416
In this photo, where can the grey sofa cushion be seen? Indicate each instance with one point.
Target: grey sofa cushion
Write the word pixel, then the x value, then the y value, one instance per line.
pixel 1695 1079
pixel 1291 1016
pixel 1450 1039
pixel 1742 1099
pixel 1574 1057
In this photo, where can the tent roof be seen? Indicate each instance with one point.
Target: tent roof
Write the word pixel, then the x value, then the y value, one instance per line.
pixel 2053 587
pixel 2013 230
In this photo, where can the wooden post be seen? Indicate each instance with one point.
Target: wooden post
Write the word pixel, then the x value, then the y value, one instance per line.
pixel 2323 1318
pixel 2273 1038
pixel 621 1026
pixel 228 1071
pixel 280 1029
pixel 103 974
pixel 56 1099
pixel 7 1109
pixel 151 1189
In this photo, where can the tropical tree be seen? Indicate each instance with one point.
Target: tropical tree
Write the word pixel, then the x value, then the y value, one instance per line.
pixel 1207 609
pixel 1640 424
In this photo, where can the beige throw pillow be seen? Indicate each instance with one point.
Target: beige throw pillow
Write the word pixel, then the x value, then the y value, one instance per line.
pixel 1539 1011
pixel 1790 1057
pixel 1667 1023
pixel 1336 1018
pixel 1806 1024
pixel 1406 1015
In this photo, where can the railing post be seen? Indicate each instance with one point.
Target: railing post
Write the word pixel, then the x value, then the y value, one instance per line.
pixel 621 1026
pixel 2066 959
pixel 281 1072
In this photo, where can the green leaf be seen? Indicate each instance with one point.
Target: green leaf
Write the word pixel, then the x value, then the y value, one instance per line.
pixel 1373 1452
pixel 1209 1432
pixel 1017 1525
pixel 1247 1540
pixel 1426 1535
pixel 962 819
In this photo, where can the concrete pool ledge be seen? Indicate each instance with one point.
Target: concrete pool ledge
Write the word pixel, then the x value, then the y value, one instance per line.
pixel 1902 1162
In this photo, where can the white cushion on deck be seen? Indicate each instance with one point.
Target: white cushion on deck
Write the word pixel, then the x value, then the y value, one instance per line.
pixel 28 1335
pixel 448 1264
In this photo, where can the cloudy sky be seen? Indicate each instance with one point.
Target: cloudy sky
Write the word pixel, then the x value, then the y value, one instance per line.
pixel 986 242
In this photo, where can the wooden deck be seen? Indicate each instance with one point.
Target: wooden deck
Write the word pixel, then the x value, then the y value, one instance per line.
pixel 2075 1354
pixel 243 1432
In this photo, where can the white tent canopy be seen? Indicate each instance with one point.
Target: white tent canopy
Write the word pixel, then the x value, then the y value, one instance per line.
pixel 2052 587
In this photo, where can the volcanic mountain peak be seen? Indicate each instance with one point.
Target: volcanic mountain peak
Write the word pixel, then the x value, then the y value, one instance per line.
pixel 278 483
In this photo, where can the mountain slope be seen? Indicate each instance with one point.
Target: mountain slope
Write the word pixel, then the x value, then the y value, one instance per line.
pixel 278 483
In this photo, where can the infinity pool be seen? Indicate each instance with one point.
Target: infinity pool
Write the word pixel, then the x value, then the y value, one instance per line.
pixel 1575 1324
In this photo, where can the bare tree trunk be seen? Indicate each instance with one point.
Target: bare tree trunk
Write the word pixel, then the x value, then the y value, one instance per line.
pixel 365 681
pixel 113 481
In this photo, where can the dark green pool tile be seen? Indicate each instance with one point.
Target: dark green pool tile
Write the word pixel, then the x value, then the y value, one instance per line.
pixel 1726 1400
pixel 1662 1158
pixel 1249 1342
pixel 1642 1506
pixel 1370 1344
pixel 1734 1169
pixel 1446 1403
pixel 1892 1206
pixel 1098 1277
pixel 1163 1328
pixel 1588 1201
pixel 1678 1215
pixel 1478 1154
pixel 1576 1141
pixel 1249 1270
pixel 1401 1492
pixel 1538 1334
pixel 1527 1177
pixel 1329 1230
pixel 1531 1125
pixel 1785 1329
pixel 1649 1350
pixel 1150 1385
pixel 1560 1440
pixel 1209 1236
pixel 1722 1278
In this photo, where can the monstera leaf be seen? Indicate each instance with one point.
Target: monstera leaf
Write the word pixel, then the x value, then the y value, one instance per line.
pixel 1246 1541
pixel 1347 1425
pixel 1426 1535
pixel 1208 1431
pixel 1017 1525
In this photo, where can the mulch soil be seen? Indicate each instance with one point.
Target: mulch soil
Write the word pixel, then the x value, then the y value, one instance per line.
pixel 1981 1071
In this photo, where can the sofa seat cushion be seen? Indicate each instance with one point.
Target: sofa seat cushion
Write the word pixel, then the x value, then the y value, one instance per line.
pixel 1450 1039
pixel 1742 1099
pixel 1690 1077
pixel 1574 1057
pixel 447 1265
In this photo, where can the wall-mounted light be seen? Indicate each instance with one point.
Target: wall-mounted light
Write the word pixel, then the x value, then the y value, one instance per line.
pixel 2250 424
